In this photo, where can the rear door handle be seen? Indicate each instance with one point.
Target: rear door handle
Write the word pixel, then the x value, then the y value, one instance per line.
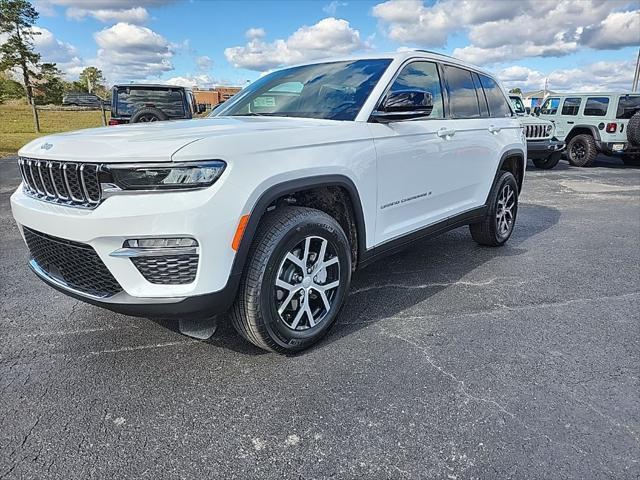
pixel 494 129
pixel 570 123
pixel 446 132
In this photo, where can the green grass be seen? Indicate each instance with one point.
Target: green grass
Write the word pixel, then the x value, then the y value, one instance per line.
pixel 16 124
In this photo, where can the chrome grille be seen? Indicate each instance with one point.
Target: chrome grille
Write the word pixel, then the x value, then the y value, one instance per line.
pixel 67 183
pixel 537 131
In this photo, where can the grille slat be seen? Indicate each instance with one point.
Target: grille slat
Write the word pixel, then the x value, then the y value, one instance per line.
pixel 45 177
pixel 71 177
pixel 75 264
pixel 169 269
pixel 35 176
pixel 67 183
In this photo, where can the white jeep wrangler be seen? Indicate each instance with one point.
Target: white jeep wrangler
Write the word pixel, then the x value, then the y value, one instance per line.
pixel 542 148
pixel 266 208
pixel 593 123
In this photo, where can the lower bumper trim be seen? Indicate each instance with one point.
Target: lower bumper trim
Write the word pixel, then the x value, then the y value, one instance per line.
pixel 204 305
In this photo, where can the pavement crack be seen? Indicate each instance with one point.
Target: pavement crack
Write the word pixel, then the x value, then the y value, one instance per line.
pixel 422 286
pixel 461 385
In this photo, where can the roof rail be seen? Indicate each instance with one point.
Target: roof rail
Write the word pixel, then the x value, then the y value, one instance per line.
pixel 435 53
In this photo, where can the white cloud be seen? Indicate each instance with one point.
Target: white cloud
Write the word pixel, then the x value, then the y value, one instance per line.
pixel 411 21
pixel 594 77
pixel 501 30
pixel 255 33
pixel 193 81
pixel 332 7
pixel 129 15
pixel 204 63
pixel 53 50
pixel 129 11
pixel 619 29
pixel 330 36
pixel 130 52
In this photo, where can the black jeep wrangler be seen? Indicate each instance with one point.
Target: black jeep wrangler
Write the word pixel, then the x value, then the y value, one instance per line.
pixel 135 103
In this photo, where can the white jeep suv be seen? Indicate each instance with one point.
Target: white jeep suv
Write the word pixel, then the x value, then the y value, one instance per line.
pixel 266 208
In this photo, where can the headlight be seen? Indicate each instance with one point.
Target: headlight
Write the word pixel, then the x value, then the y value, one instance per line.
pixel 168 176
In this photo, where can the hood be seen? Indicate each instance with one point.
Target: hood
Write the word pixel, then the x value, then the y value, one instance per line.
pixel 152 142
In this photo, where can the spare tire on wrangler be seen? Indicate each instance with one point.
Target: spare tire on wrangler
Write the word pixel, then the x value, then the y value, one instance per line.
pixel 633 130
pixel 148 114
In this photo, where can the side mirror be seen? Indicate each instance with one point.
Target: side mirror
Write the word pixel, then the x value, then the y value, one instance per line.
pixel 404 105
pixel 536 111
pixel 202 108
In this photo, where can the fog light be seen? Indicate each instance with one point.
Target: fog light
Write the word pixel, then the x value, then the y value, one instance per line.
pixel 157 247
pixel 160 243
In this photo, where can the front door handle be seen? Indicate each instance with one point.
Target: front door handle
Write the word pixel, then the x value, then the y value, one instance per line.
pixel 446 132
pixel 494 129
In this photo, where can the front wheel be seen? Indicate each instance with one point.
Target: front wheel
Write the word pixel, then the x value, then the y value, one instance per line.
pixel 295 280
pixel 497 226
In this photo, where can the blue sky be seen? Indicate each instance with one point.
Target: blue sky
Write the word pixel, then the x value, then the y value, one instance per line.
pixel 575 44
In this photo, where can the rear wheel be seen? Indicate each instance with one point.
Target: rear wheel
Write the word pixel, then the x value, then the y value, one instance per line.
pixel 549 162
pixel 497 226
pixel 295 281
pixel 582 151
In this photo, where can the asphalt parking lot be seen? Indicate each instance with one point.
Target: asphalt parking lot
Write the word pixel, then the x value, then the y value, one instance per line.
pixel 449 361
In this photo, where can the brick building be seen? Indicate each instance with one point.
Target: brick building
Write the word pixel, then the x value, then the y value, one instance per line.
pixel 214 96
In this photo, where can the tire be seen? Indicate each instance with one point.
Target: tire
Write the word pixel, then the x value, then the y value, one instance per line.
pixel 631 160
pixel 633 129
pixel 268 315
pixel 549 162
pixel 489 232
pixel 582 151
pixel 148 114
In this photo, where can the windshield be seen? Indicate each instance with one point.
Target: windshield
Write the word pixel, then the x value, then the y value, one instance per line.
pixel 334 91
pixel 518 106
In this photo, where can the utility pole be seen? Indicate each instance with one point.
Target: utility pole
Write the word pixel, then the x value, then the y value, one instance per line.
pixel 636 77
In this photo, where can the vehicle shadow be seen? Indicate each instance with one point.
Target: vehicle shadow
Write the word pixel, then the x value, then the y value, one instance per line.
pixel 398 282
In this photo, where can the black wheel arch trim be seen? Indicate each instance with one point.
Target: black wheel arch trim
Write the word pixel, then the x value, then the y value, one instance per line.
pixel 514 152
pixel 592 128
pixel 291 186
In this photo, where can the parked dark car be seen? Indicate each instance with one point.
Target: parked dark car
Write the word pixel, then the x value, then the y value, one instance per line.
pixel 81 99
pixel 136 103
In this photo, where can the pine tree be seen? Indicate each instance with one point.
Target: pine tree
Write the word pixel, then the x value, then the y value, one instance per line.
pixel 16 19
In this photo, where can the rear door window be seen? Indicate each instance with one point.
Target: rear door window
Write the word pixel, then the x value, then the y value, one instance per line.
pixel 571 106
pixel 596 106
pixel 628 105
pixel 482 98
pixel 463 99
pixel 498 104
pixel 550 106
pixel 129 100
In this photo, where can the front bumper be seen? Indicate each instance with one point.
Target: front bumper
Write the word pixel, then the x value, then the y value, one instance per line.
pixel 119 218
pixel 541 149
